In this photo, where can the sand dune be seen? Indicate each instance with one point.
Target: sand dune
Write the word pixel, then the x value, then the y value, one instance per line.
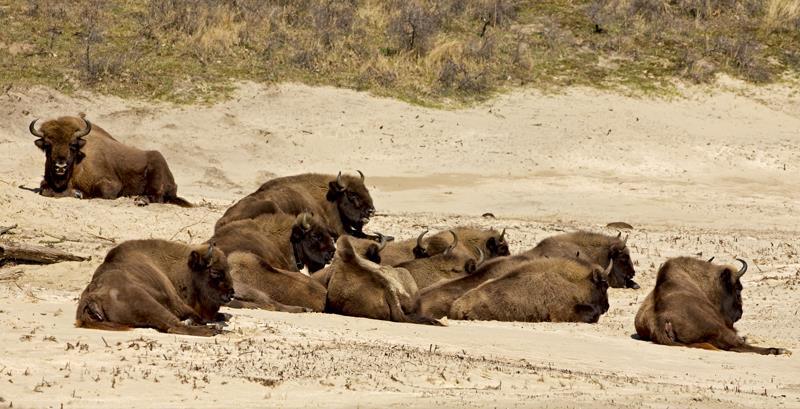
pixel 713 173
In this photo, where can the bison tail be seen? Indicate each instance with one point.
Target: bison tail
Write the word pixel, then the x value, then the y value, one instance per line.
pixel 421 319
pixel 179 201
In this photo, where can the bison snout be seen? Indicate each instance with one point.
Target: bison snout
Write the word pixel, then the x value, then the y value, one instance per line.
pixel 61 167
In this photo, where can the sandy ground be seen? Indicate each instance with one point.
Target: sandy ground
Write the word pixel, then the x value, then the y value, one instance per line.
pixel 713 173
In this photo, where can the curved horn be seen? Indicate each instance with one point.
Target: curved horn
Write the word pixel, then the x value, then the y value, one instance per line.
pixel 742 270
pixel 503 234
pixel 625 241
pixel 419 238
pixel 85 131
pixel 34 131
pixel 382 242
pixel 607 271
pixel 711 259
pixel 339 179
pixel 210 251
pixel 304 222
pixel 362 175
pixel 453 244
pixel 481 255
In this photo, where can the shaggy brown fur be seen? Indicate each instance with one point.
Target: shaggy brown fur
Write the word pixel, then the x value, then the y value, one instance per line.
pixel 546 289
pixel 260 285
pixel 342 203
pixel 492 242
pixel 594 247
pixel 366 248
pixel 98 166
pixel 157 284
pixel 284 241
pixel 436 300
pixel 454 262
pixel 695 303
pixel 361 288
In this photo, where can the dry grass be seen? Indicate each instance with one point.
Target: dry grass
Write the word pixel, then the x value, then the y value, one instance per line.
pixel 425 51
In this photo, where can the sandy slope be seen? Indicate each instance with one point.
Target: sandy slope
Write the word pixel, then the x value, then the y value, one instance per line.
pixel 713 173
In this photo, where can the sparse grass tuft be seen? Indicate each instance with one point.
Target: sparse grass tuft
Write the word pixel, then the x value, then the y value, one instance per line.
pixel 424 51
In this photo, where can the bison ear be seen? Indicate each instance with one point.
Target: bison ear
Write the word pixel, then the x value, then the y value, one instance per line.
pixel 297 234
pixel 491 244
pixel 334 191
pixel 200 260
pixel 40 143
pixel 373 254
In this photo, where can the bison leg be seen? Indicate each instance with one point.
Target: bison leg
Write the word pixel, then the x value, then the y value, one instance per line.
pixel 108 189
pixel 141 201
pixel 142 310
pixel 249 297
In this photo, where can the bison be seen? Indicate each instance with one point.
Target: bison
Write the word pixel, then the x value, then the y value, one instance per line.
pixel 546 289
pixel 491 242
pixel 260 285
pixel 84 161
pixel 343 203
pixel 436 300
pixel 695 304
pixel 157 284
pixel 594 247
pixel 284 241
pixel 360 288
pixel 455 261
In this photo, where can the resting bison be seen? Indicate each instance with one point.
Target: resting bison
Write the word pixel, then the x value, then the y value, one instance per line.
pixel 84 161
pixel 284 241
pixel 454 262
pixel 695 303
pixel 157 284
pixel 593 247
pixel 360 288
pixel 260 285
pixel 546 289
pixel 436 300
pixel 343 203
pixel 492 242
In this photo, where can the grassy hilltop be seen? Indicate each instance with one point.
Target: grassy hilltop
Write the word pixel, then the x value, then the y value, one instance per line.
pixel 424 51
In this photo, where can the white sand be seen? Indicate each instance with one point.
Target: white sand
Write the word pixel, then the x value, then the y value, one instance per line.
pixel 700 174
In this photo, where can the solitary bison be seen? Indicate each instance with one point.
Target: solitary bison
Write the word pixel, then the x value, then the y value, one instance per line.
pixel 546 289
pixel 695 304
pixel 84 161
pixel 284 241
pixel 157 284
pixel 454 262
pixel 260 285
pixel 360 288
pixel 593 247
pixel 343 203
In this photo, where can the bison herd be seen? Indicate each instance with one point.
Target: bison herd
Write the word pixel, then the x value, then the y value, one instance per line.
pixel 297 244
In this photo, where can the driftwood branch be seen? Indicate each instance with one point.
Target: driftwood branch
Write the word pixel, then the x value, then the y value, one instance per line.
pixel 4 230
pixel 35 254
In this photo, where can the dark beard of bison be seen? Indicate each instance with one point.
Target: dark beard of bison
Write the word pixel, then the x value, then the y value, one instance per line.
pixel 58 183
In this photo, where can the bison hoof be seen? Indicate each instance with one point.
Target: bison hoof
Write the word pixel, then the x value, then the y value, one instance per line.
pixel 141 201
pixel 632 285
pixel 77 194
pixel 780 351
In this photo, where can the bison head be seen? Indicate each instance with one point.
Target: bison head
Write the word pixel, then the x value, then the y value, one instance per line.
pixel 622 272
pixel 211 276
pixel 313 244
pixel 497 245
pixel 352 198
pixel 598 302
pixel 61 140
pixel 731 297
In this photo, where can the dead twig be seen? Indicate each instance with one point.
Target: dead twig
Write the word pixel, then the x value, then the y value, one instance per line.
pixel 11 275
pixel 97 236
pixel 4 230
